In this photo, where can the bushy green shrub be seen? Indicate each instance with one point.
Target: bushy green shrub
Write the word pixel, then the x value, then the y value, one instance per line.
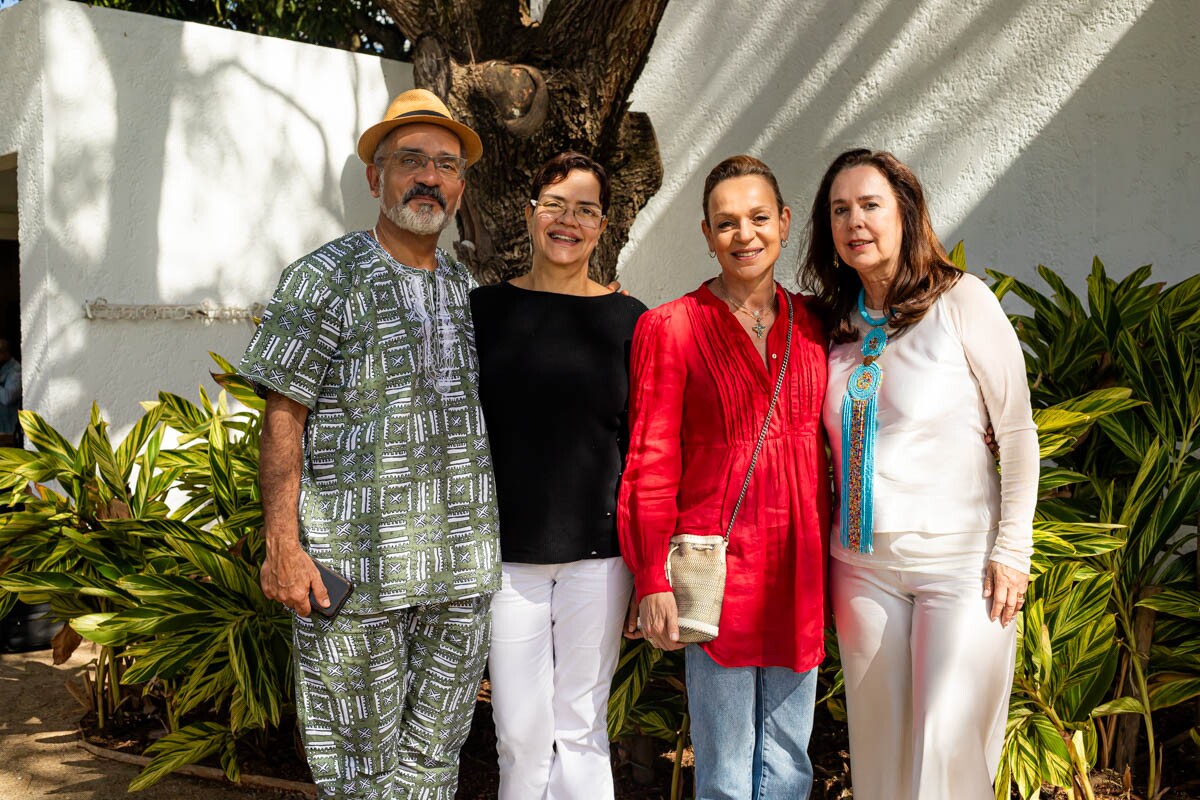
pixel 1139 469
pixel 170 595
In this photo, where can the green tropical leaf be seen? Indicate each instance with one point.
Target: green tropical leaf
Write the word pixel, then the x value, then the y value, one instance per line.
pixel 145 489
pixel 137 438
pixel 1122 705
pixel 248 515
pixel 207 681
pixel 958 256
pixel 633 671
pixel 224 488
pixel 183 415
pixel 1105 313
pixel 94 628
pixel 1181 303
pixel 237 385
pixel 1183 603
pixel 1052 444
pixel 157 529
pixel 187 745
pixel 168 657
pixel 1102 402
pixel 45 438
pixel 1087 686
pixel 1083 606
pixel 1181 502
pixel 1066 300
pixel 226 572
pixel 1171 690
pixel 183 593
pixel 656 723
pixel 1129 433
pixel 1052 478
pixel 1024 760
pixel 1054 759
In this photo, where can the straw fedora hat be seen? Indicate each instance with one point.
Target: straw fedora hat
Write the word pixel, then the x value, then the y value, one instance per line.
pixel 418 105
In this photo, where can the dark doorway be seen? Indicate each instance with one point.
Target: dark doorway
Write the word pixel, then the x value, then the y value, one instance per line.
pixel 10 266
pixel 10 295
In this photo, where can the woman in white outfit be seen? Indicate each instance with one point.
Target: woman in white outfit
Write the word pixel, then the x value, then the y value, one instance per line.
pixel 931 550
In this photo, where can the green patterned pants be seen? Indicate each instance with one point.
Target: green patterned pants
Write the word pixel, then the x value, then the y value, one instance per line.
pixel 385 701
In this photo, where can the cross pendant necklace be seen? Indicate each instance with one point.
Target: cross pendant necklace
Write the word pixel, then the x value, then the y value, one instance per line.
pixel 756 314
pixel 758 327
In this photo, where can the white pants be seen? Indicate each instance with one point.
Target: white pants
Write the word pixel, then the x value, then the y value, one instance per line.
pixel 928 677
pixel 556 637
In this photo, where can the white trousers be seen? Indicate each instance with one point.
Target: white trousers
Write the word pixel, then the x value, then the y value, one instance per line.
pixel 928 677
pixel 556 638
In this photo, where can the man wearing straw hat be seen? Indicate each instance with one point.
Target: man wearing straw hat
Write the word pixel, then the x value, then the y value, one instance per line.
pixel 375 463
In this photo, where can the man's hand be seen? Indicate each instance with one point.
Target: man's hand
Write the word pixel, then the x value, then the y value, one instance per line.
pixel 1006 586
pixel 288 575
pixel 660 621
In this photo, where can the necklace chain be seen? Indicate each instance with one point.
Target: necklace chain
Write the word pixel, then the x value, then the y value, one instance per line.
pixel 756 314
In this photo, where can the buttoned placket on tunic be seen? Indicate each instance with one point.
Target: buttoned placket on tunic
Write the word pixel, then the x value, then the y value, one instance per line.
pixel 699 392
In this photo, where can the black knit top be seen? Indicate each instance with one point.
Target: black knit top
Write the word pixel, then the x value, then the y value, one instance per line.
pixel 554 383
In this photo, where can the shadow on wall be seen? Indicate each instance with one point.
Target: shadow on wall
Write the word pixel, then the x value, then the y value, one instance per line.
pixel 959 90
pixel 1115 174
pixel 202 178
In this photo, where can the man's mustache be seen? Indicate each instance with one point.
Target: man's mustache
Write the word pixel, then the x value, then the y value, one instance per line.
pixel 421 190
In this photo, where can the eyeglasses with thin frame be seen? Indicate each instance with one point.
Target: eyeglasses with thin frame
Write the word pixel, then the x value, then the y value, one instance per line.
pixel 587 216
pixel 410 161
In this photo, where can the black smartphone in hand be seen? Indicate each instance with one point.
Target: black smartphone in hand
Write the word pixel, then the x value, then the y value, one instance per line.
pixel 336 586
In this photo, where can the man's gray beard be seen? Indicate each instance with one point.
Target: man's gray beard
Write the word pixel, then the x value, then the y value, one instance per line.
pixel 432 219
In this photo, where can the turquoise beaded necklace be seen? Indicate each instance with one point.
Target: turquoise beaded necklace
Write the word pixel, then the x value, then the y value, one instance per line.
pixel 859 428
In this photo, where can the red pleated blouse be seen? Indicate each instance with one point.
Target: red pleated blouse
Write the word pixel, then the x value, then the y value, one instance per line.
pixel 698 394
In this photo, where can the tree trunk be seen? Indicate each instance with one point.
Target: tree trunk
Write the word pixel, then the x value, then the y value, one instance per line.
pixel 532 90
pixel 1129 726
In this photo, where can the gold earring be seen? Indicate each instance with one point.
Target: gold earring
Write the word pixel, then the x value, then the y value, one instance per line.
pixel 836 263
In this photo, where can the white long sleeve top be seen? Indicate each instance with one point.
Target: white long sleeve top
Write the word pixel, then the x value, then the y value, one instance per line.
pixel 944 379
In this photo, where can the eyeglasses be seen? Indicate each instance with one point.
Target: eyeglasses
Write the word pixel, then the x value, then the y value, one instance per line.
pixel 410 161
pixel 585 215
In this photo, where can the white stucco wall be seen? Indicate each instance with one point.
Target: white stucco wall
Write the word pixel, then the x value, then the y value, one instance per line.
pixel 1044 132
pixel 163 163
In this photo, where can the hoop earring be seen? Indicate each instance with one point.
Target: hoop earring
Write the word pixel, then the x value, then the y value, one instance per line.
pixel 836 263
pixel 783 243
pixel 712 253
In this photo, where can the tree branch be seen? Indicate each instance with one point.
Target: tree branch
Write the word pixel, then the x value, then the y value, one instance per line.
pixel 471 30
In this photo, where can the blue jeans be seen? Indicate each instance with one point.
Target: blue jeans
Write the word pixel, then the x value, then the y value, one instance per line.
pixel 750 729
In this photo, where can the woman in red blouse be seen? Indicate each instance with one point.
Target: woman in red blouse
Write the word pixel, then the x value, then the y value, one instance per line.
pixel 703 370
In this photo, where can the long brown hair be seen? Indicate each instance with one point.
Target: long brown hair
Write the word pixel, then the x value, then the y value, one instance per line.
pixel 923 272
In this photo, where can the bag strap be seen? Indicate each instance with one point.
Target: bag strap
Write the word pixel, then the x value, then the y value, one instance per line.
pixel 762 436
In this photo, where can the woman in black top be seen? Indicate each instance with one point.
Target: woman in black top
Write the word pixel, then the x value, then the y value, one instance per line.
pixel 553 353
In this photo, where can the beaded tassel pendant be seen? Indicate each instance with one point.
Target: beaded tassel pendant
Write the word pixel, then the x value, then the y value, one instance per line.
pixel 859 427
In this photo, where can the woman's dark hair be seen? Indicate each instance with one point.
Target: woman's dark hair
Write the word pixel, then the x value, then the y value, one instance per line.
pixel 737 167
pixel 923 273
pixel 557 169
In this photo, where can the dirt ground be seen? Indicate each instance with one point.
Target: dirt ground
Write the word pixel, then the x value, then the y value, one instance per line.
pixel 40 756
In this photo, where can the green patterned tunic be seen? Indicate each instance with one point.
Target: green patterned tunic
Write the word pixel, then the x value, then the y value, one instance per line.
pixel 396 491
